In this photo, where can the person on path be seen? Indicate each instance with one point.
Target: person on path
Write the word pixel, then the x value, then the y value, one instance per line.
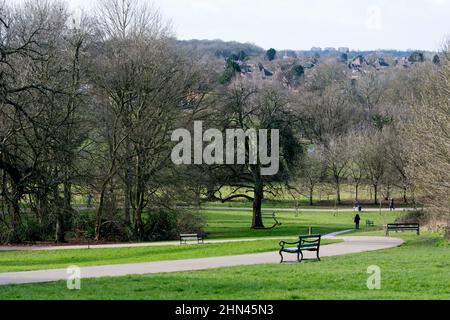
pixel 392 205
pixel 357 221
pixel 359 206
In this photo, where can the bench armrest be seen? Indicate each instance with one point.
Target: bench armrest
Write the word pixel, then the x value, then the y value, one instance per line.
pixel 284 243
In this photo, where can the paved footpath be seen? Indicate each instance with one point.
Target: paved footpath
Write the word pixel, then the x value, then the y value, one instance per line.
pixel 349 245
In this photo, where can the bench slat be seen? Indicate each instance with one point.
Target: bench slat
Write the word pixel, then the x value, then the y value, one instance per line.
pixel 191 237
pixel 403 227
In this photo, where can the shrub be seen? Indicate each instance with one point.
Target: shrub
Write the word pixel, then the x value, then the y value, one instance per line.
pixel 167 225
pixel 31 230
pixel 412 217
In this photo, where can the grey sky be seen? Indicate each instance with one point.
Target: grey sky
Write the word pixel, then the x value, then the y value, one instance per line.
pixel 302 24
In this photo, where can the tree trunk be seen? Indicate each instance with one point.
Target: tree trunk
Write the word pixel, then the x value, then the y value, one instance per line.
pixel 375 194
pixel 15 218
pixel 138 209
pixel 405 196
pixel 127 211
pixel 138 224
pixel 357 192
pixel 60 228
pixel 211 192
pixel 257 201
pixel 68 198
pixel 311 195
pixel 98 222
pixel 338 191
pixel 127 200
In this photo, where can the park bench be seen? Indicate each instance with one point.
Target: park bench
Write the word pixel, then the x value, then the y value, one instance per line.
pixel 403 227
pixel 184 238
pixel 305 243
pixel 370 223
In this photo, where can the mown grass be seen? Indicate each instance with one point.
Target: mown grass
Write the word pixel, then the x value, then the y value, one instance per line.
pixel 303 204
pixel 220 225
pixel 420 269
pixel 38 260
pixel 236 224
pixel 324 195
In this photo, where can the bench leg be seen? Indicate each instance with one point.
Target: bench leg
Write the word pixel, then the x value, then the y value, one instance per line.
pixel 282 258
pixel 318 257
pixel 298 256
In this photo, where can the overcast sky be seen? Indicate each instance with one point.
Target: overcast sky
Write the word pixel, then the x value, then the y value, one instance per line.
pixel 302 24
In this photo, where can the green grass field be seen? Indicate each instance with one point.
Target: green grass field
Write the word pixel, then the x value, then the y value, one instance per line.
pixel 220 225
pixel 37 260
pixel 236 224
pixel 420 269
pixel 324 195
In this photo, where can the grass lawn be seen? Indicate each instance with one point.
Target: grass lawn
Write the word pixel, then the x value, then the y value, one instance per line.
pixel 324 195
pixel 420 269
pixel 220 225
pixel 36 260
pixel 236 224
pixel 292 204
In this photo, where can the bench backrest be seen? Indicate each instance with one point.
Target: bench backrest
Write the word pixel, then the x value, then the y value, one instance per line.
pixel 192 235
pixel 403 225
pixel 310 240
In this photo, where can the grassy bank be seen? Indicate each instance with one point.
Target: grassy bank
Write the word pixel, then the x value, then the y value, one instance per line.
pixel 420 269
pixel 37 260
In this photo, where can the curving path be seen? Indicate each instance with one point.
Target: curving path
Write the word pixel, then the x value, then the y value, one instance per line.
pixel 349 246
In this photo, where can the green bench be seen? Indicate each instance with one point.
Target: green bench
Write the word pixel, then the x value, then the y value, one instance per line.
pixel 306 243
pixel 403 227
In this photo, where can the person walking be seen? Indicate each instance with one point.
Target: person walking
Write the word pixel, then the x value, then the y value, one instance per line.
pixel 357 221
pixel 392 205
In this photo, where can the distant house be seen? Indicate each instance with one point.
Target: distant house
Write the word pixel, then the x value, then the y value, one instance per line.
pixel 245 68
pixel 404 62
pixel 344 50
pixel 316 49
pixel 267 73
pixel 357 63
pixel 380 64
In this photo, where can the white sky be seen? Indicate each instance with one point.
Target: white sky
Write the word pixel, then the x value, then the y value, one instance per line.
pixel 302 24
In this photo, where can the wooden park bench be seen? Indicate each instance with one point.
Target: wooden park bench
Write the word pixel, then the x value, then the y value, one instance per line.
pixel 402 227
pixel 184 238
pixel 305 243
pixel 370 223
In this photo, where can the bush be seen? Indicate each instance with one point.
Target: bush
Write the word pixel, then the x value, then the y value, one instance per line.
pixel 83 225
pixel 167 225
pixel 30 230
pixel 117 231
pixel 412 217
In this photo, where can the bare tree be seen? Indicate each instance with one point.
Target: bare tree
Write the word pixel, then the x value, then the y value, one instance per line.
pixel 429 134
